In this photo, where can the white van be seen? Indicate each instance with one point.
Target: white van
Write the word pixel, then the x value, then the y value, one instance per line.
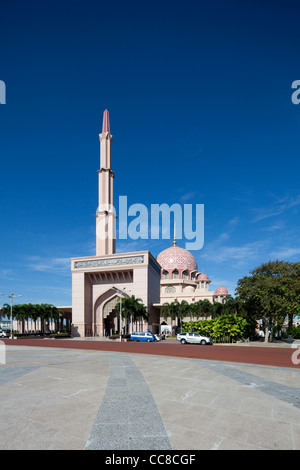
pixel 142 336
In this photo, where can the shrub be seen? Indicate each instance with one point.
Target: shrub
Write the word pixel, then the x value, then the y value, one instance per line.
pixel 225 329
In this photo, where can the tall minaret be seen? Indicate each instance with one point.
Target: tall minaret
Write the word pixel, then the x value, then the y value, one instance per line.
pixel 105 216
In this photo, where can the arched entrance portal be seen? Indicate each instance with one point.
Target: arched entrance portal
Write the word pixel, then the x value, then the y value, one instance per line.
pixel 106 319
pixel 110 317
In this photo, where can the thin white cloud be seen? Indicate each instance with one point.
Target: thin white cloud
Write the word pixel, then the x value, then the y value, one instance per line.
pixel 286 253
pixel 278 208
pixel 189 196
pixel 131 246
pixel 7 273
pixel 274 227
pixel 233 222
pixel 238 255
pixel 59 265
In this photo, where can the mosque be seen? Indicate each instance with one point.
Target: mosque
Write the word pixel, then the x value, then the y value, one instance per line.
pixel 99 281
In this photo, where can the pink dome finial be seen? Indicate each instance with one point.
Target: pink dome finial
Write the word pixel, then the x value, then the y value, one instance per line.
pixel 174 240
pixel 105 125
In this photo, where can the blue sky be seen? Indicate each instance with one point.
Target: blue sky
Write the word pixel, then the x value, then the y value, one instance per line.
pixel 199 96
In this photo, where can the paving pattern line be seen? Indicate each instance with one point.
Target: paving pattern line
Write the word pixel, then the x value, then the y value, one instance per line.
pixel 290 395
pixel 8 374
pixel 128 418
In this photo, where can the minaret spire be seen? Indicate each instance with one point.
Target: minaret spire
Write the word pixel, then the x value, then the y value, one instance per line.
pixel 174 240
pixel 105 124
pixel 105 216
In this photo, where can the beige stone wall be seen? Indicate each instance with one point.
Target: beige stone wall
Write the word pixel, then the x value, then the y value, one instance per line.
pixel 93 287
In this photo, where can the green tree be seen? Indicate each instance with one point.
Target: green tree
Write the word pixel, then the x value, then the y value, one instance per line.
pixel 271 292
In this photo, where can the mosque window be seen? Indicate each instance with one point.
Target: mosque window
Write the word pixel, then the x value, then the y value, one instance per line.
pixel 170 290
pixel 185 274
pixel 175 274
pixel 165 274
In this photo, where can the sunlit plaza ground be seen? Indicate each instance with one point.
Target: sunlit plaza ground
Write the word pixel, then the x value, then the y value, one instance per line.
pixel 54 398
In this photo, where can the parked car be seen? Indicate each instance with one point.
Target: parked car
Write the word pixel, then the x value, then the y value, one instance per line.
pixel 142 336
pixel 3 334
pixel 158 337
pixel 193 338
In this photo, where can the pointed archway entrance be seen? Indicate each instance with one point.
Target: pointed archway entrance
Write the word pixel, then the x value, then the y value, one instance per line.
pixel 106 318
pixel 110 317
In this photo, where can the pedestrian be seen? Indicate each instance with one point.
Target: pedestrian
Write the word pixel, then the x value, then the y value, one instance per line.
pixel 261 335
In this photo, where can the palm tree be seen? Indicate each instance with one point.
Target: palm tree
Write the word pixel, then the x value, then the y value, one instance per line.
pixel 42 309
pixel 6 311
pixel 203 308
pixel 207 308
pixel 34 314
pixel 197 309
pixel 217 309
pixel 23 315
pixel 230 306
pixel 140 313
pixel 53 314
pixel 170 310
pixel 183 310
pixel 175 310
pixel 133 310
pixel 19 314
pixel 166 310
pixel 49 313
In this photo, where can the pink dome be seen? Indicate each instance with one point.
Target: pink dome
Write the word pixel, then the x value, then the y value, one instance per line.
pixel 221 291
pixel 176 257
pixel 202 277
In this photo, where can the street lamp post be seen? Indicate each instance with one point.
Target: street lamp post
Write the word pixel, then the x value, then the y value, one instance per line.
pixel 120 319
pixel 11 297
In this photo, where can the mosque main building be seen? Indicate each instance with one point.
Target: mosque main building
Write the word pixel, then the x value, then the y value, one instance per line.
pixel 99 281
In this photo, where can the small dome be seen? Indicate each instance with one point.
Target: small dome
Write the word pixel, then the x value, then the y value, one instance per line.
pixel 176 257
pixel 202 277
pixel 221 291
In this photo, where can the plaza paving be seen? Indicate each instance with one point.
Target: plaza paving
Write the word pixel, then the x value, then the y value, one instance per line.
pixel 54 398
